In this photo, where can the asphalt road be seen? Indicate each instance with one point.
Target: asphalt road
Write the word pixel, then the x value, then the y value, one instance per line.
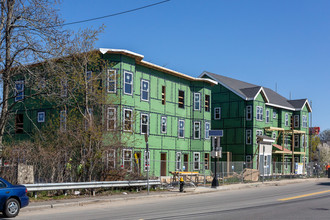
pixel 310 200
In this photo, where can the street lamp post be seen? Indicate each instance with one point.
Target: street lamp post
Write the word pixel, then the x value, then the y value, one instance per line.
pixel 216 153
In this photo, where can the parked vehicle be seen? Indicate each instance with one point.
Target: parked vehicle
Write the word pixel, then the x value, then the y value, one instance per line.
pixel 12 198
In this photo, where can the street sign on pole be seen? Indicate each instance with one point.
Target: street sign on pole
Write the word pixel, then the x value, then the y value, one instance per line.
pixel 218 133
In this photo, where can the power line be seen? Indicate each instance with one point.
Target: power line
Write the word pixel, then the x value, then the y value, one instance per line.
pixel 110 15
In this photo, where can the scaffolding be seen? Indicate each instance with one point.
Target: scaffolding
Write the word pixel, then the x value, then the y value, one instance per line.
pixel 282 150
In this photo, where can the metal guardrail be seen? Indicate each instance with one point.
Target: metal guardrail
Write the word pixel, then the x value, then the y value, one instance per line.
pixel 88 185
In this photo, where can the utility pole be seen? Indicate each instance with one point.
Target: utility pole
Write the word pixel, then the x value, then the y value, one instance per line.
pixel 147 158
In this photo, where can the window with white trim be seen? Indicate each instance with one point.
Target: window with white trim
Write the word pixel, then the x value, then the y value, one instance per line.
pixel 128 83
pixel 267 116
pixel 286 119
pixel 111 158
pixel 249 112
pixel 249 136
pixel 63 120
pixel 286 141
pixel 197 101
pixel 128 119
pixel 111 81
pixel 89 81
pixel 274 135
pixel 111 118
pixel 274 114
pixel 88 117
pixel 144 123
pixel 196 160
pixel 296 141
pixel 19 90
pixel 144 90
pixel 207 103
pixel 178 161
pixel 258 133
pixel 197 130
pixel 181 129
pixel 64 87
pixel 207 130
pixel 206 161
pixel 127 159
pixel 304 121
pixel 41 117
pixel 163 125
pixel 259 113
pixel 296 121
pixel 217 113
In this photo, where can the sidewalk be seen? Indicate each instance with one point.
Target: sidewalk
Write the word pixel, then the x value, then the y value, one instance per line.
pixel 85 200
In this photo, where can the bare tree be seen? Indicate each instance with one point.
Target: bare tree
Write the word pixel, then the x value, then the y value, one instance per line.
pixel 325 135
pixel 30 33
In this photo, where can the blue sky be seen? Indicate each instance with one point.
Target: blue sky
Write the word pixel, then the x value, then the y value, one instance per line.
pixel 261 42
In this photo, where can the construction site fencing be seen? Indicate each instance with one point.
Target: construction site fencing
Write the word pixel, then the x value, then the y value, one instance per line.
pixel 199 173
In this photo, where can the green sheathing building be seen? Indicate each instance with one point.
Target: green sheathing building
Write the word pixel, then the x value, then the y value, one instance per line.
pixel 248 110
pixel 147 107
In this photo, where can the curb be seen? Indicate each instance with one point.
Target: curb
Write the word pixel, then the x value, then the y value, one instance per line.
pixel 188 191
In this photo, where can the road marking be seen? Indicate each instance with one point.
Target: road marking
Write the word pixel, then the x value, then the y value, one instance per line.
pixel 301 196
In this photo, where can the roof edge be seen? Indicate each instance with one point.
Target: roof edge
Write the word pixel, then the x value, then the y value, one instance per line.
pixel 223 84
pixel 139 60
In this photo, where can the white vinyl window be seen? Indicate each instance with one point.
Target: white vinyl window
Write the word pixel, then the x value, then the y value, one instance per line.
pixel 128 83
pixel 259 133
pixel 111 81
pixel 286 141
pixel 274 114
pixel 217 113
pixel 144 123
pixel 128 119
pixel 286 119
pixel 19 90
pixel 296 141
pixel 181 129
pixel 249 136
pixel 89 82
pixel 304 121
pixel 178 161
pixel 197 101
pixel 267 116
pixel 127 159
pixel 64 87
pixel 249 112
pixel 259 113
pixel 111 119
pixel 197 130
pixel 63 120
pixel 111 158
pixel 164 125
pixel 196 160
pixel 296 121
pixel 274 135
pixel 144 90
pixel 207 130
pixel 41 117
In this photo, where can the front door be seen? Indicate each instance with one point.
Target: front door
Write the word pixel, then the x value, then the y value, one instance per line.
pixel 163 164
pixel 185 162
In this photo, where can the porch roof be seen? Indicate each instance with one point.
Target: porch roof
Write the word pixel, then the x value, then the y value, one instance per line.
pixel 280 150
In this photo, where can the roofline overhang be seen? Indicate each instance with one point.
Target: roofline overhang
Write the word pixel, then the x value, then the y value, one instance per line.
pixel 280 106
pixel 225 85
pixel 263 94
pixel 309 107
pixel 139 60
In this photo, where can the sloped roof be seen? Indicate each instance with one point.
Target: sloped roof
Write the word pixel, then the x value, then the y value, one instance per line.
pixel 250 91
